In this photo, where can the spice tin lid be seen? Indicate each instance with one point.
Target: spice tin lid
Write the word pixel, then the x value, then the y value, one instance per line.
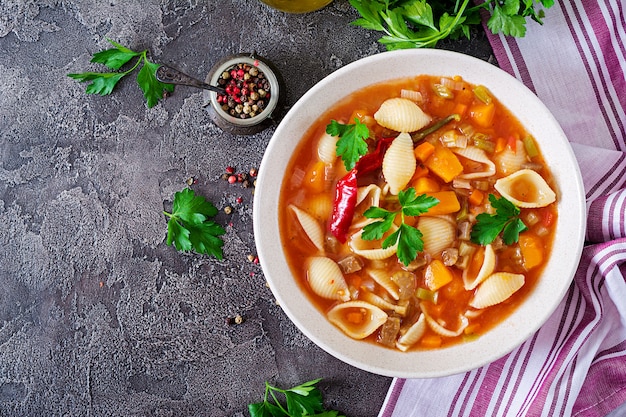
pixel 242 123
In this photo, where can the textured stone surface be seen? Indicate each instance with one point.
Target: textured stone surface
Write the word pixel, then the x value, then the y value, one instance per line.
pixel 98 316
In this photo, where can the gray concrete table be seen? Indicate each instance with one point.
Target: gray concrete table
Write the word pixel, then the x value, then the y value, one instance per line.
pixel 98 316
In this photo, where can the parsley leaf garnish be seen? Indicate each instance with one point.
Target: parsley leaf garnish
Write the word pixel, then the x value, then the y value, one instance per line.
pixel 189 226
pixel 408 238
pixel 103 83
pixel 301 400
pixel 506 220
pixel 420 23
pixel 351 144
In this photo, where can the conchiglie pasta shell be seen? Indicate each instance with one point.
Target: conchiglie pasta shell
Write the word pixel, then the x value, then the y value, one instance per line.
pixel 383 279
pixel 497 288
pixel 441 330
pixel 526 189
pixel 401 115
pixel 509 161
pixel 327 148
pixel 366 197
pixel 413 334
pixel 371 318
pixel 384 304
pixel 399 163
pixel 489 263
pixel 326 280
pixel 477 155
pixel 311 227
pixel 438 234
pixel 372 249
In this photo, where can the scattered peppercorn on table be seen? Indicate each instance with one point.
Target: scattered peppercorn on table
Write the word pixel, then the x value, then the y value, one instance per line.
pixel 100 316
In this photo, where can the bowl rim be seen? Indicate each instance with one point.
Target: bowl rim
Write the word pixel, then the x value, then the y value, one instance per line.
pixel 544 297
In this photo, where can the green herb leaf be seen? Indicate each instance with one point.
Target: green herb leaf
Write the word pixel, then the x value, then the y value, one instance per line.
pixel 151 87
pixel 408 238
pixel 351 144
pixel 420 13
pixel 420 23
pixel 302 400
pixel 410 243
pixel 103 83
pixel 506 221
pixel 413 204
pixel 188 226
pixel 507 24
pixel 114 58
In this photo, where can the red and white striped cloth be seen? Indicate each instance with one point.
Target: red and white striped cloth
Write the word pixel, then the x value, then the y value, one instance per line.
pixel 575 365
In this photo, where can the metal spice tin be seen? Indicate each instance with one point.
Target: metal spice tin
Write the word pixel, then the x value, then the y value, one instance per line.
pixel 260 121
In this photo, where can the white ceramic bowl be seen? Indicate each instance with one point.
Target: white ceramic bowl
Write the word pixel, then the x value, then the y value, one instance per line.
pixel 516 328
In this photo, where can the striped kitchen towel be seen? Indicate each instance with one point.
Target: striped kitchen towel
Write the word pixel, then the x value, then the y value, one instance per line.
pixel 575 365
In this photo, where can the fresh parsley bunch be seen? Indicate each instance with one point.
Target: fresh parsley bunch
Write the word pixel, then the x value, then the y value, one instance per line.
pixel 506 220
pixel 102 83
pixel 189 226
pixel 421 24
pixel 408 238
pixel 302 400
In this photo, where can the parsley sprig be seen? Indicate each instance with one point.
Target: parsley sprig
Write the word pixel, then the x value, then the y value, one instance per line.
pixel 189 226
pixel 301 400
pixel 408 238
pixel 506 220
pixel 351 144
pixel 103 83
pixel 420 24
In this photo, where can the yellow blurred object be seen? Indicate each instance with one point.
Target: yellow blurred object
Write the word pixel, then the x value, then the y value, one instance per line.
pixel 297 6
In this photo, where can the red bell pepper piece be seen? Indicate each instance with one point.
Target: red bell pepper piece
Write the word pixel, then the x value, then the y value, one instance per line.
pixel 344 204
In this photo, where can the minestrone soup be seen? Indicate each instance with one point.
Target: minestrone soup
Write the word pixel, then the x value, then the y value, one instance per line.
pixel 419 213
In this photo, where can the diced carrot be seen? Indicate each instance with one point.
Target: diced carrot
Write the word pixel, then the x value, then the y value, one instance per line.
pixel 500 144
pixel 512 143
pixel 425 185
pixel 476 197
pixel 444 163
pixel 431 341
pixel 436 275
pixel 315 177
pixel 448 203
pixel 358 114
pixel 424 150
pixel 420 171
pixel 460 109
pixel 532 250
pixel 483 113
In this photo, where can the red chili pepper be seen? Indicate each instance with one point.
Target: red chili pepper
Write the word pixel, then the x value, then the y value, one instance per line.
pixel 344 204
pixel 373 160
